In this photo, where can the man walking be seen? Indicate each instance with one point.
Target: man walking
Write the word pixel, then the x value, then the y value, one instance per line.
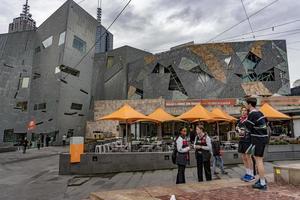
pixel 257 125
pixel 216 149
pixel 25 144
pixel 64 138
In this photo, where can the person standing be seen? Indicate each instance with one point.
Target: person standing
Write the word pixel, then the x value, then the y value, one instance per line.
pixel 25 144
pixel 257 125
pixel 38 143
pixel 203 151
pixel 244 144
pixel 216 149
pixel 64 138
pixel 182 157
pixel 47 140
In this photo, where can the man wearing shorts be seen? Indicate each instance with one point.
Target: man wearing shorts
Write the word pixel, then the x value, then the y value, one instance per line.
pixel 257 126
pixel 244 144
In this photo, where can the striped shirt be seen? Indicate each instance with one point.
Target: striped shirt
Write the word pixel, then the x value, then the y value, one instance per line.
pixel 257 124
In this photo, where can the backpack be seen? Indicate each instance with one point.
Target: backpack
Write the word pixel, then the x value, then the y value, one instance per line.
pixel 174 153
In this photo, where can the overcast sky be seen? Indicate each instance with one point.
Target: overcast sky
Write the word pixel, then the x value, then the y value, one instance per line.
pixel 156 25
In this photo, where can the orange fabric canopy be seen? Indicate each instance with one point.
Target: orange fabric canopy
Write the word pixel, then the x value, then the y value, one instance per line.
pixel 125 113
pixel 271 113
pixel 162 116
pixel 223 115
pixel 198 112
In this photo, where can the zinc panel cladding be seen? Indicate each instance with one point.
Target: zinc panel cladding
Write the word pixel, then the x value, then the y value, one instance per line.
pixel 225 67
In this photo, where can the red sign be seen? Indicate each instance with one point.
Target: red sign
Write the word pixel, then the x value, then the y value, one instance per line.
pixel 31 125
pixel 204 102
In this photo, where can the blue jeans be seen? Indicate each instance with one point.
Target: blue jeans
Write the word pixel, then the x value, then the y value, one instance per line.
pixel 218 159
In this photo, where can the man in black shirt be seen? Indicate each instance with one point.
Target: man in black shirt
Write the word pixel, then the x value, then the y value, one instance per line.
pixel 257 126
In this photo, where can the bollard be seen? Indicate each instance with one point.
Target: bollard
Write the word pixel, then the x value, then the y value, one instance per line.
pixel 76 148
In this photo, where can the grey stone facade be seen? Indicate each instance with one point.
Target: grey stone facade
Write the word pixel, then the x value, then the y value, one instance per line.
pixel 58 96
pixel 16 58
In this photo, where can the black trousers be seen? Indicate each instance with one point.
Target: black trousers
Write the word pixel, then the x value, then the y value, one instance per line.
pixel 180 174
pixel 203 164
pixel 24 149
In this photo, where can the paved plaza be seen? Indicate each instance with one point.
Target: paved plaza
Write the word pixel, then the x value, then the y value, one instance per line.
pixel 34 176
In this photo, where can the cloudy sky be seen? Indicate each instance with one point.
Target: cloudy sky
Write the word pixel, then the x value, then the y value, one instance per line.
pixel 156 25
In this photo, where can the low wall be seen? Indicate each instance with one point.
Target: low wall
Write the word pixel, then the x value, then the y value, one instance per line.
pixel 92 163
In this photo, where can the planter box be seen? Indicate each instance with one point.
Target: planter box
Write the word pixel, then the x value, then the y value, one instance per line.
pixel 280 148
pixel 296 147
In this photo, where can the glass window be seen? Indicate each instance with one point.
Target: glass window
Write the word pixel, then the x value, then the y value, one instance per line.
pixel 22 105
pixel 48 42
pixel 36 76
pixel 69 70
pixel 76 106
pixel 62 37
pixel 42 106
pixel 79 44
pixel 25 82
pixel 110 61
pixel 57 69
pixel 38 49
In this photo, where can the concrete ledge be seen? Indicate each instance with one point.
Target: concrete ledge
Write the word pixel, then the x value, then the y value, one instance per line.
pixel 4 149
pixel 289 174
pixel 92 164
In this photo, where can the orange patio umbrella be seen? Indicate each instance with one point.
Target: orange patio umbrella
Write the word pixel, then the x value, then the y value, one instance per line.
pixel 272 114
pixel 223 115
pixel 125 113
pixel 198 112
pixel 161 116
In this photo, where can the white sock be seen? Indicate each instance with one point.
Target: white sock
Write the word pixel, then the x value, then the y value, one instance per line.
pixel 251 172
pixel 247 171
pixel 262 181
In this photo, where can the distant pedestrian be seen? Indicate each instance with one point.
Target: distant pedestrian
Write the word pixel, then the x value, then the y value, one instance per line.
pixel 182 157
pixel 47 140
pixel 192 135
pixel 38 143
pixel 218 160
pixel 203 151
pixel 25 144
pixel 64 138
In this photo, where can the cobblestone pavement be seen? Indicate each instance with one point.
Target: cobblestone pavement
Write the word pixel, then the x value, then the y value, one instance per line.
pixel 34 176
pixel 241 193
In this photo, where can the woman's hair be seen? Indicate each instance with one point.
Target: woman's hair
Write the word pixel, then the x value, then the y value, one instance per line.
pixel 243 107
pixel 181 128
pixel 201 127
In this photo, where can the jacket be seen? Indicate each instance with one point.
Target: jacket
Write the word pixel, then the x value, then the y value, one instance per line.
pixel 183 157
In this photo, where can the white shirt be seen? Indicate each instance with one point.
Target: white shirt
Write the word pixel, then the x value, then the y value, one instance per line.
pixel 208 142
pixel 179 143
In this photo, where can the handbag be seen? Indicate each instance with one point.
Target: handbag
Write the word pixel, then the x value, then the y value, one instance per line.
pixel 206 155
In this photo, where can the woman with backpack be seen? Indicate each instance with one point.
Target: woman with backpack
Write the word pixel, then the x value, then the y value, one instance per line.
pixel 182 155
pixel 203 153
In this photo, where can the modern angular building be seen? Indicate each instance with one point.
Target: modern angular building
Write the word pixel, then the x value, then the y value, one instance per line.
pixel 43 77
pixel 195 71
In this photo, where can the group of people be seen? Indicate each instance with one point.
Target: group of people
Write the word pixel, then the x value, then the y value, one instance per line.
pixel 26 144
pixel 252 129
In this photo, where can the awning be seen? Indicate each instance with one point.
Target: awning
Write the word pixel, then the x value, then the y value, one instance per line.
pixel 162 116
pixel 273 114
pixel 198 112
pixel 125 113
pixel 223 115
